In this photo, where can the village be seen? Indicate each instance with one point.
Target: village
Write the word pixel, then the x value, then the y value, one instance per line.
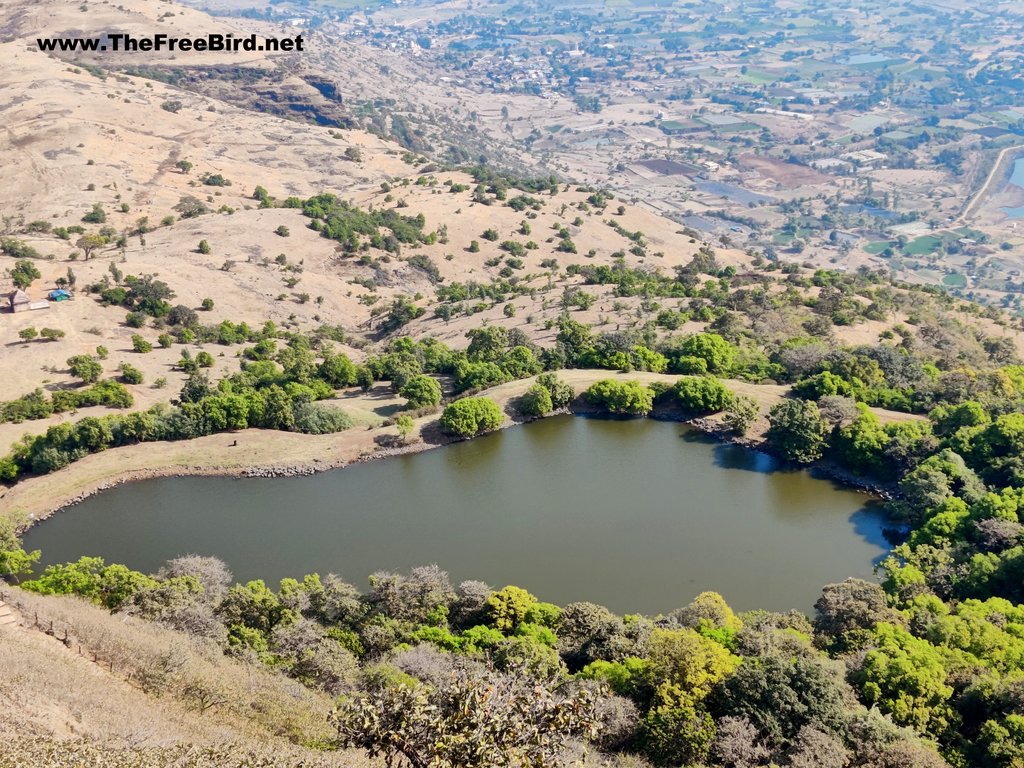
pixel 775 128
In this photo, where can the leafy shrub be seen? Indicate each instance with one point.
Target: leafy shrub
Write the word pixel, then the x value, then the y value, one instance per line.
pixel 139 344
pixel 85 368
pixel 717 354
pixel 51 334
pixel 536 401
pixel 798 430
pixel 477 376
pixel 562 394
pixel 470 416
pixel 318 419
pixel 130 374
pixel 421 391
pixel 24 273
pixel 740 414
pixel 621 397
pixel 702 394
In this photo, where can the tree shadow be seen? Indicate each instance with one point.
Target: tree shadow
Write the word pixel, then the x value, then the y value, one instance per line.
pixel 387 411
pixel 64 386
pixel 514 410
pixel 389 441
pixel 377 393
pixel 432 434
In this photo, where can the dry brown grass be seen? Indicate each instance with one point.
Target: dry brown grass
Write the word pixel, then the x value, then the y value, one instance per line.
pixel 149 689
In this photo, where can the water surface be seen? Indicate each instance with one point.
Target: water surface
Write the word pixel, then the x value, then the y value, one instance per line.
pixel 637 515
pixel 1017 177
pixel 1017 180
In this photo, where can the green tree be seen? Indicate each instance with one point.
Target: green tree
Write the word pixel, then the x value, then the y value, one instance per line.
pixel 85 368
pixel 797 430
pixel 782 692
pixel 675 731
pixel 406 426
pixel 702 394
pixel 574 340
pixel 421 391
pixel 688 661
pixel 364 378
pixel 714 350
pixel 906 677
pixel 487 344
pixel 96 216
pixel 741 414
pixel 16 563
pixel 536 401
pixel 562 394
pixel 471 415
pixel 28 334
pixel 997 451
pixel 337 370
pixel 520 362
pixel 947 419
pixel 88 244
pixel 130 374
pixel 204 247
pixel 252 605
pixel 139 344
pixel 51 334
pixel 89 577
pixel 861 444
pixel 621 397
pixel 24 273
pixel 507 608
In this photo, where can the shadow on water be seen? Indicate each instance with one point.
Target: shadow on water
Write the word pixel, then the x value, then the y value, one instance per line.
pixel 731 456
pixel 748 459
pixel 868 524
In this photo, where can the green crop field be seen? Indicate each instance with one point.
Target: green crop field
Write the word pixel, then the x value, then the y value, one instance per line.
pixel 922 246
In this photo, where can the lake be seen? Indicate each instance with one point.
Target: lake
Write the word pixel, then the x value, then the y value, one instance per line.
pixel 1017 179
pixel 638 515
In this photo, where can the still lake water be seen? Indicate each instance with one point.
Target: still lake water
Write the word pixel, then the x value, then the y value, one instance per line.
pixel 638 515
pixel 1017 179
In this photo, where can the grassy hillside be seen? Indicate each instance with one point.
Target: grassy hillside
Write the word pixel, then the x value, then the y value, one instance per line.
pixel 252 292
